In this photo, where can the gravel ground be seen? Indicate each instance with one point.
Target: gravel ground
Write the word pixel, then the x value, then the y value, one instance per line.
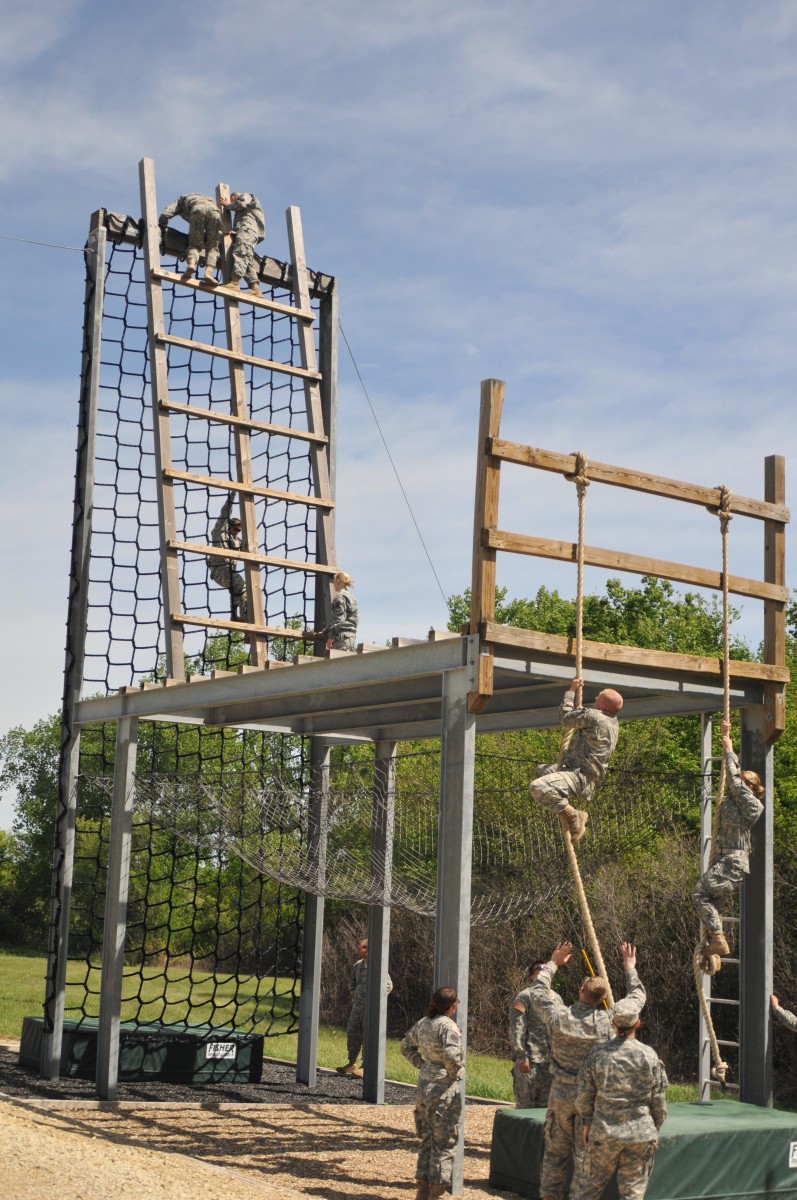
pixel 269 1141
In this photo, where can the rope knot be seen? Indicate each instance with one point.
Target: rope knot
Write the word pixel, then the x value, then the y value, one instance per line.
pixel 579 476
pixel 723 509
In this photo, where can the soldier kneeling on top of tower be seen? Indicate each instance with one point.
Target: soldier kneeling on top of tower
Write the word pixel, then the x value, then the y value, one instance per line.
pixel 730 855
pixel 249 229
pixel 226 534
pixel 204 230
pixel 559 786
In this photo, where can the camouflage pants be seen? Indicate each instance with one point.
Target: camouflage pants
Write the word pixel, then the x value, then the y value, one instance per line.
pixel 354 1031
pixel 531 1091
pixel 633 1162
pixel 227 577
pixel 343 641
pixel 721 879
pixel 204 231
pixel 243 259
pixel 563 1141
pixel 438 1117
pixel 555 789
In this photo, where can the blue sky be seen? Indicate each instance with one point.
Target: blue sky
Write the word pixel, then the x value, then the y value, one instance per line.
pixel 593 202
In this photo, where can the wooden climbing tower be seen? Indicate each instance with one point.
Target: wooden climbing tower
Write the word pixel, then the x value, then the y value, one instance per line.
pixel 242 425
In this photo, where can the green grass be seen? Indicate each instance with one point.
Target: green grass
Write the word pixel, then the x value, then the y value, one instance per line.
pixel 22 991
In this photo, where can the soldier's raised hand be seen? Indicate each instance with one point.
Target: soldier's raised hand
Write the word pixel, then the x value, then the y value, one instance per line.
pixel 561 954
pixel 628 953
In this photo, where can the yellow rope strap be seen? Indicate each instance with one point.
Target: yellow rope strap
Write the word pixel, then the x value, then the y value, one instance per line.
pixel 581 480
pixel 699 960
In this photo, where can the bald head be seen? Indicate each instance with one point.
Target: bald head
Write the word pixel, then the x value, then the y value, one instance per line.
pixel 609 701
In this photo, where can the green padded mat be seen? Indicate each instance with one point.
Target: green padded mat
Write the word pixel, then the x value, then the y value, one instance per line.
pixel 717 1151
pixel 176 1053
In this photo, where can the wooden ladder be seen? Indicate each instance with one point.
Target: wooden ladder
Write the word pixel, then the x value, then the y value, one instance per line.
pixel 242 425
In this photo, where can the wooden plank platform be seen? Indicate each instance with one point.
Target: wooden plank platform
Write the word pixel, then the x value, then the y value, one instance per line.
pixel 208 414
pixel 236 626
pixel 228 293
pixel 252 489
pixel 169 339
pixel 290 564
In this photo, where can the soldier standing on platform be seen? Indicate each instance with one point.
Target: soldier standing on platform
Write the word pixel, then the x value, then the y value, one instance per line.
pixel 248 230
pixel 621 1090
pixel 730 857
pixel 434 1046
pixel 559 786
pixel 573 1030
pixel 342 629
pixel 531 1048
pixel 355 1028
pixel 204 230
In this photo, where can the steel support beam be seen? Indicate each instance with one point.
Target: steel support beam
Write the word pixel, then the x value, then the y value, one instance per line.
pixel 115 923
pixel 313 936
pixel 383 815
pixel 756 912
pixel 454 861
pixel 706 799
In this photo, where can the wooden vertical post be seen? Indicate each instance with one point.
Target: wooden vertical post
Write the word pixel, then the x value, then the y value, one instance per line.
pixel 706 799
pixel 239 407
pixel 115 922
pixel 485 517
pixel 382 824
pixel 313 936
pixel 775 611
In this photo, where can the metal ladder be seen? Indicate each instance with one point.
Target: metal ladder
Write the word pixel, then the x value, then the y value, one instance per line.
pixel 242 425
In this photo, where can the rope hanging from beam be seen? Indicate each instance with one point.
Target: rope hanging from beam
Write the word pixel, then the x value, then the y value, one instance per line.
pixel 701 962
pixel 581 479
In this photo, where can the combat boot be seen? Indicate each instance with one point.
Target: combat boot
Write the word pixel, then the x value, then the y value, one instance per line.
pixel 189 271
pixel 574 822
pixel 210 279
pixel 254 288
pixel 234 281
pixel 438 1189
pixel 422 1192
pixel 715 943
pixel 350 1069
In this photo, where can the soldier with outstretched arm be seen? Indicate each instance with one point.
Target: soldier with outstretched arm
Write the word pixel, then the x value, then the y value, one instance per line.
pixel 782 1015
pixel 531 1048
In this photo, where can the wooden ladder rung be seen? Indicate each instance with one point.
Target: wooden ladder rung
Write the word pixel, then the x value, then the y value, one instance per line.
pixel 208 414
pixel 721 1000
pixel 236 294
pixel 237 626
pixel 168 339
pixel 249 489
pixel 289 564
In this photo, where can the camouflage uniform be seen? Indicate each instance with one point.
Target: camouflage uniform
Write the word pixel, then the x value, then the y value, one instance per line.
pixel 248 230
pixel 786 1018
pixel 204 226
pixel 342 627
pixel 573 1030
pixel 730 856
pixel 528 1035
pixel 222 570
pixel 621 1088
pixel 358 990
pixel 585 760
pixel 434 1045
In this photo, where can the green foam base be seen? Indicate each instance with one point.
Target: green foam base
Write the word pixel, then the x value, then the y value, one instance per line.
pixel 173 1053
pixel 717 1151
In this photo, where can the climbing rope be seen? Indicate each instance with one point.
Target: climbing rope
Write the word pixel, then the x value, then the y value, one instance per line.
pixel 581 479
pixel 705 964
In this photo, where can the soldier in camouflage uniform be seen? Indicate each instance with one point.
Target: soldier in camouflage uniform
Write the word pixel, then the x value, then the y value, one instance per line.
pixel 356 1025
pixel 783 1015
pixel 342 629
pixel 573 1030
pixel 730 856
pixel 434 1045
pixel 248 230
pixel 559 786
pixel 531 1049
pixel 620 1100
pixel 226 533
pixel 204 230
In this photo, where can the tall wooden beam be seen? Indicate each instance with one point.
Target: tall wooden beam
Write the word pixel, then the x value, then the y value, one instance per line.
pixel 775 611
pixel 485 517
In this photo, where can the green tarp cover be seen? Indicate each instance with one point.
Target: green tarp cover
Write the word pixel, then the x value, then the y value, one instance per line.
pixel 717 1151
pixel 178 1053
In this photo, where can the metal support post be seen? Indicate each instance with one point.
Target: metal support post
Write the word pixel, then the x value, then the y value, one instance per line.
pixel 64 848
pixel 328 322
pixel 756 912
pixel 454 861
pixel 115 924
pixel 313 937
pixel 706 798
pixel 383 815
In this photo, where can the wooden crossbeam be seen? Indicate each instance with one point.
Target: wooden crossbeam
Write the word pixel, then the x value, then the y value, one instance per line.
pixel 655 660
pixel 236 294
pixel 540 547
pixel 252 489
pixel 269 560
pixel 208 414
pixel 237 626
pixel 168 339
pixel 640 481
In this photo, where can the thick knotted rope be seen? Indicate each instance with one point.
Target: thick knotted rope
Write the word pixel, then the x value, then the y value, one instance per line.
pixel 581 480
